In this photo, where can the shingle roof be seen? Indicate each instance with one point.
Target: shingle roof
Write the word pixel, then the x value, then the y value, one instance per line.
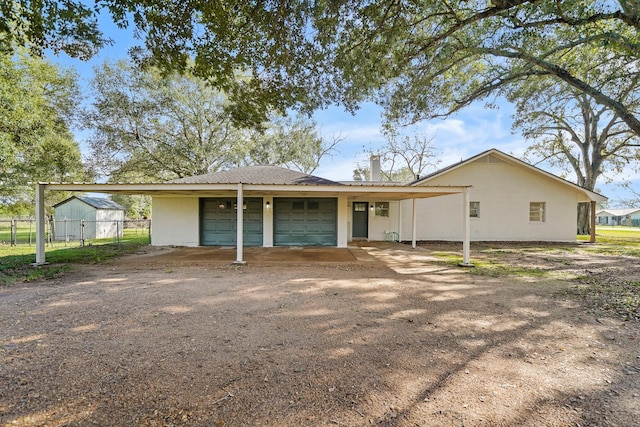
pixel 96 202
pixel 266 174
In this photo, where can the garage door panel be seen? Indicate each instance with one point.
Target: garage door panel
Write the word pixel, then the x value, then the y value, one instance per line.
pixel 305 222
pixel 218 222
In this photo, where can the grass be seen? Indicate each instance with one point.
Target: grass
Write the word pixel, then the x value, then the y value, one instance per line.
pixel 16 261
pixel 602 290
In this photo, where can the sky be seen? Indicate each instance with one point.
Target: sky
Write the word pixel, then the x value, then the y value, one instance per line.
pixel 469 132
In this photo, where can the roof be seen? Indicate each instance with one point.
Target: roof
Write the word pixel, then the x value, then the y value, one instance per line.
pixel 619 212
pixel 592 194
pixel 264 174
pixel 96 202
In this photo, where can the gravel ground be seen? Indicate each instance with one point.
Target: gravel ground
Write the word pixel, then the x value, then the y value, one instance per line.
pixel 395 338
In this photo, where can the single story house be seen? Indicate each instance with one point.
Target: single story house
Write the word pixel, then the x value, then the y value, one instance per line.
pixel 629 217
pixel 491 196
pixel 84 217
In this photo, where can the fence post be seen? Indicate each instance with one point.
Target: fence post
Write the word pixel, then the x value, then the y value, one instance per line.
pixel 149 227
pixel 14 234
pixel 66 234
pixel 82 233
pixel 117 231
pixel 30 226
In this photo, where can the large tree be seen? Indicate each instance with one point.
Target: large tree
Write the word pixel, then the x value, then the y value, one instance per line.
pixel 37 106
pixel 150 126
pixel 310 54
pixel 573 130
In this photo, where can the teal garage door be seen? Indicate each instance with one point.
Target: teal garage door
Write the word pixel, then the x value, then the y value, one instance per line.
pixel 219 223
pixel 305 222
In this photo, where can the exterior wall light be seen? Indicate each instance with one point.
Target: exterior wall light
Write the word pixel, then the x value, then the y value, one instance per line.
pixel 268 205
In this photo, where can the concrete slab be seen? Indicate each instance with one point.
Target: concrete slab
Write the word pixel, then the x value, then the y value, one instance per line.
pixel 252 254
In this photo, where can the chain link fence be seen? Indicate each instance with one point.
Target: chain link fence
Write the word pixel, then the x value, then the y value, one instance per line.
pixel 63 232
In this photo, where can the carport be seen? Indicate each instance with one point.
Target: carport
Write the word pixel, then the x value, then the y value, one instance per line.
pixel 241 192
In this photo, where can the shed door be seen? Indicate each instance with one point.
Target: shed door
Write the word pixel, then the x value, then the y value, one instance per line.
pixel 305 222
pixel 219 222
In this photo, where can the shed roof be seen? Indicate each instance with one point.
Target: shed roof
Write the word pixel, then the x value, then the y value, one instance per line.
pixel 96 202
pixel 263 174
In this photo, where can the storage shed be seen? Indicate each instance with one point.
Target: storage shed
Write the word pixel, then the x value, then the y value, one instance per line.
pixel 84 217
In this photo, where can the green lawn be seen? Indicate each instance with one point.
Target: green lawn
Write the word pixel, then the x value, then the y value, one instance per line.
pixel 16 261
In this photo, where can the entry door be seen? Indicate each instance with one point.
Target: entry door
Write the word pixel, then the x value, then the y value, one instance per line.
pixel 360 220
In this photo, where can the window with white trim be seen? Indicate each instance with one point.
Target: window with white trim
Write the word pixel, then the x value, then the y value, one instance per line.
pixel 382 209
pixel 537 211
pixel 474 209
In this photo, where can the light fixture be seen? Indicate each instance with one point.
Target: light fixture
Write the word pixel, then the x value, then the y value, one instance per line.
pixel 371 207
pixel 268 205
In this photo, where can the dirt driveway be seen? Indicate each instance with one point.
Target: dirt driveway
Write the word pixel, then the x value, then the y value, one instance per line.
pixel 392 337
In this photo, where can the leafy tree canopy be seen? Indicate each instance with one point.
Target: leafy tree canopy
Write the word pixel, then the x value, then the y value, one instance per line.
pixel 37 103
pixel 419 59
pixel 150 126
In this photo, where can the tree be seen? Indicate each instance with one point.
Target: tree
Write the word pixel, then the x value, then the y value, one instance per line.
pixel 403 158
pixel 62 26
pixel 150 126
pixel 292 142
pixel 419 59
pixel 571 130
pixel 37 104
pixel 161 127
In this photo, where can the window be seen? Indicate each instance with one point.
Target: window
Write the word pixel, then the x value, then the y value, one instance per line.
pixel 537 211
pixel 474 209
pixel 360 207
pixel 382 209
pixel 297 206
pixel 313 206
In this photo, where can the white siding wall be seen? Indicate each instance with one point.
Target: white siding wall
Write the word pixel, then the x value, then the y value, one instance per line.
pixel 175 221
pixel 504 192
pixel 74 210
pixel 109 223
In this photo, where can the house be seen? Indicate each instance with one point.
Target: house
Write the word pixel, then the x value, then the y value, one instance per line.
pixel 491 196
pixel 82 217
pixel 629 217
pixel 510 200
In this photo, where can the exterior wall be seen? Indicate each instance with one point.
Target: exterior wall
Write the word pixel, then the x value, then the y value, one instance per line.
pixel 175 221
pixel 74 210
pixel 109 223
pixel 379 226
pixel 504 192
pixel 606 218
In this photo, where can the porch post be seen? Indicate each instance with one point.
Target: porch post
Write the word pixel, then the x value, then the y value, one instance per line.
pixel 465 229
pixel 592 222
pixel 40 221
pixel 413 232
pixel 240 225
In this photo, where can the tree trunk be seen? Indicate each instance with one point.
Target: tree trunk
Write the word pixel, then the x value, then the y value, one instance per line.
pixel 583 219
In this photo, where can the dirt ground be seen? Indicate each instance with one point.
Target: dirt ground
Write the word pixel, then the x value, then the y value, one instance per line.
pixel 379 335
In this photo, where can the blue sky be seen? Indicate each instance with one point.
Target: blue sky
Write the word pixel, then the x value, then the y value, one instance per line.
pixel 466 134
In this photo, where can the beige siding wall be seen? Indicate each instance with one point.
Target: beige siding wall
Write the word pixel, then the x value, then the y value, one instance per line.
pixel 504 192
pixel 175 221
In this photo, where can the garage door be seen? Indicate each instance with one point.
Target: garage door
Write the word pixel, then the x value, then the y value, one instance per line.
pixel 219 226
pixel 305 222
